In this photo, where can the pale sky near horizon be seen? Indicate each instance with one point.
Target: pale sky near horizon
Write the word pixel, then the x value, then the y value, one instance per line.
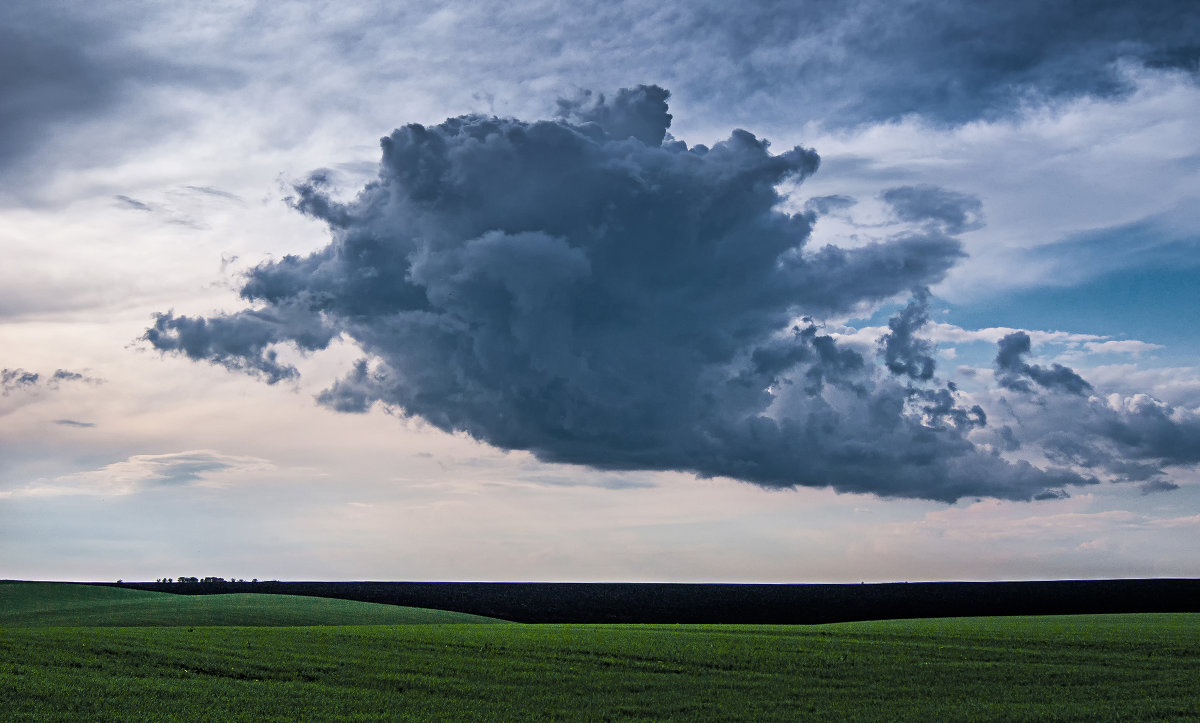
pixel 943 326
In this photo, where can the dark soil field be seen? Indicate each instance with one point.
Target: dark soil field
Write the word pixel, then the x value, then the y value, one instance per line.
pixel 748 604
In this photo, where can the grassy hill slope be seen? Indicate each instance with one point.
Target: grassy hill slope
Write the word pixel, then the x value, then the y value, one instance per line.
pixel 47 604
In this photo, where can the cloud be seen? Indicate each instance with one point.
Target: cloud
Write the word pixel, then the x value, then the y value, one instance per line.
pixel 20 388
pixel 52 71
pixel 1132 438
pixel 73 423
pixel 13 380
pixel 948 62
pixel 903 352
pixel 1135 438
pixel 1178 386
pixel 241 342
pixel 1121 346
pixel 132 203
pixel 825 205
pixel 595 292
pixel 215 193
pixel 950 211
pixel 949 333
pixel 1014 374
pixel 145 471
pixel 1164 240
pixel 639 113
pixel 1158 485
pixel 65 66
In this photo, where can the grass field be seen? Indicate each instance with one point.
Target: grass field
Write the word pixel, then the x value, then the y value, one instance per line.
pixel 47 604
pixel 1119 667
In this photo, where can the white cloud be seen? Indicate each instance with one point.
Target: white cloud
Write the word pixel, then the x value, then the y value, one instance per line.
pixel 1121 346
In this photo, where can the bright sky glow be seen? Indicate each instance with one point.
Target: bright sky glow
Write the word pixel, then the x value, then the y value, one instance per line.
pixel 580 361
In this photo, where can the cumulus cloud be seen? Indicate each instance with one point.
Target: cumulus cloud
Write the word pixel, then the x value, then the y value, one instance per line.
pixel 903 351
pixel 639 113
pixel 1129 438
pixel 596 292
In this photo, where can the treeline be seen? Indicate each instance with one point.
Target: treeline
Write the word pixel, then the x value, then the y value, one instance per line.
pixel 185 578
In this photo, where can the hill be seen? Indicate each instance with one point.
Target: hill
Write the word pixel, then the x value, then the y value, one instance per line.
pixel 45 604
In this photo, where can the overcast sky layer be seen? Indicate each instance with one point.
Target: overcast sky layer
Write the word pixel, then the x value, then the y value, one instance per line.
pixel 557 291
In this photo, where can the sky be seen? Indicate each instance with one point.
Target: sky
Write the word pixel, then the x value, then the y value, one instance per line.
pixel 621 291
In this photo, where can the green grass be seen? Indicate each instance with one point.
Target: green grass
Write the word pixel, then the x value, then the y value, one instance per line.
pixel 46 604
pixel 1102 667
pixel 1123 667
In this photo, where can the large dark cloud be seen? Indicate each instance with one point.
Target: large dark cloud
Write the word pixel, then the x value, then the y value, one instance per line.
pixel 592 291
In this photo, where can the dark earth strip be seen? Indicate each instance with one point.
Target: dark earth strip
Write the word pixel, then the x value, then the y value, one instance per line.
pixel 735 603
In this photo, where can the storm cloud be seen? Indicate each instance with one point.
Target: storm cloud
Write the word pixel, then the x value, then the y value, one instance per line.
pixel 596 292
pixel 591 290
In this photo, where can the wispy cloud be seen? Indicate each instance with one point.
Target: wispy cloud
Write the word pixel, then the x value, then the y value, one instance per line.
pixel 132 203
pixel 74 423
pixel 146 471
